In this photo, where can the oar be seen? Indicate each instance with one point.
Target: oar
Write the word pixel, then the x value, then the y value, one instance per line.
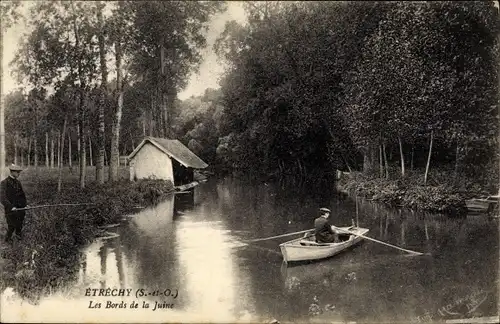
pixel 374 240
pixel 54 205
pixel 357 218
pixel 277 236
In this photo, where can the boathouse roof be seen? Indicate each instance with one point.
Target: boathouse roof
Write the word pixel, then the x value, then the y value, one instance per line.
pixel 175 149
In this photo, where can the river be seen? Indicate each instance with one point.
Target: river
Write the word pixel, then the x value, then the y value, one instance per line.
pixel 190 250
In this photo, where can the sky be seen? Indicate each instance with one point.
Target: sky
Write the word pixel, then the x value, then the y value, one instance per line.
pixel 210 69
pixel 207 77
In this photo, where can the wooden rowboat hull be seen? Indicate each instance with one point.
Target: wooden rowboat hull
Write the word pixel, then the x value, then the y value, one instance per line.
pixel 480 205
pixel 186 186
pixel 305 249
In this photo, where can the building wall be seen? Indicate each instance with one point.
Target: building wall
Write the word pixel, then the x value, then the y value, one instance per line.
pixel 151 163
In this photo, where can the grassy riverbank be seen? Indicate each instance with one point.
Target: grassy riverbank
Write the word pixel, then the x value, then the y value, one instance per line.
pixel 441 194
pixel 48 255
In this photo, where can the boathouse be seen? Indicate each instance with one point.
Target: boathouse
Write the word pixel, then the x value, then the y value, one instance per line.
pixel 165 159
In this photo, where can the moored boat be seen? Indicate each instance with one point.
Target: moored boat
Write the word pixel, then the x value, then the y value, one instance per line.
pixel 481 204
pixel 186 186
pixel 306 248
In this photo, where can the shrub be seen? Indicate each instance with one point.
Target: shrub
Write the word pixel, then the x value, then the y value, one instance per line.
pixel 442 194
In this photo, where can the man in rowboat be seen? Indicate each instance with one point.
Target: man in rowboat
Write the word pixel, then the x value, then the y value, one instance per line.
pixel 323 230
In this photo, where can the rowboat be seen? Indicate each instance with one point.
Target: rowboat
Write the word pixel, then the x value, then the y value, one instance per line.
pixel 481 204
pixel 306 248
pixel 186 186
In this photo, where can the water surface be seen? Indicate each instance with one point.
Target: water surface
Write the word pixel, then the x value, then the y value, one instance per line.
pixel 191 250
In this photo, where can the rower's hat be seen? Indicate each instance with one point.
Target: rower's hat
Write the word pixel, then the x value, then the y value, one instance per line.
pixel 15 167
pixel 326 210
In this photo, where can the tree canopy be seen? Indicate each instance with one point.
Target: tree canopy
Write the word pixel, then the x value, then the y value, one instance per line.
pixel 309 87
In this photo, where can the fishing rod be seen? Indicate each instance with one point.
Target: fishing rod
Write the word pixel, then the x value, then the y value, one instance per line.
pixel 53 205
pixel 277 236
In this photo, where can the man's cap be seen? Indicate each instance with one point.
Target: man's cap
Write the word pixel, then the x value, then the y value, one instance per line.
pixel 15 167
pixel 326 210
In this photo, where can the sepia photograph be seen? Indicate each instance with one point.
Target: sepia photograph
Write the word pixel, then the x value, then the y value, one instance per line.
pixel 249 161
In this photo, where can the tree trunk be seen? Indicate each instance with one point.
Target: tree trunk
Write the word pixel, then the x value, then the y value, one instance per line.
pixel 15 148
pixel 344 158
pixel 149 114
pixel 92 158
pixel 70 157
pixel 81 135
pixel 165 117
pixel 104 90
pixel 78 143
pixel 386 162
pixel 412 153
pixel 154 109
pixel 348 166
pixel 51 150
pixel 163 95
pixel 381 161
pixel 498 103
pixel 457 162
pixel 58 149
pixel 369 159
pixel 29 152
pixel 2 116
pixel 47 150
pixel 302 169
pixel 60 154
pixel 115 128
pixel 35 149
pixel 171 96
pixel 159 125
pixel 428 158
pixel 402 157
pixel 81 103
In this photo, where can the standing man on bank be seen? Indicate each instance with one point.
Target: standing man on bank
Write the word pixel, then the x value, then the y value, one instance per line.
pixel 12 197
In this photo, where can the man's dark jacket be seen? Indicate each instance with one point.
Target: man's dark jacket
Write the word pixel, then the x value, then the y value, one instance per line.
pixel 12 194
pixel 323 230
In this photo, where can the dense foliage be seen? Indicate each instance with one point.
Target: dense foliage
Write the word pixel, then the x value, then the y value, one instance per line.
pixel 380 87
pixel 362 86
